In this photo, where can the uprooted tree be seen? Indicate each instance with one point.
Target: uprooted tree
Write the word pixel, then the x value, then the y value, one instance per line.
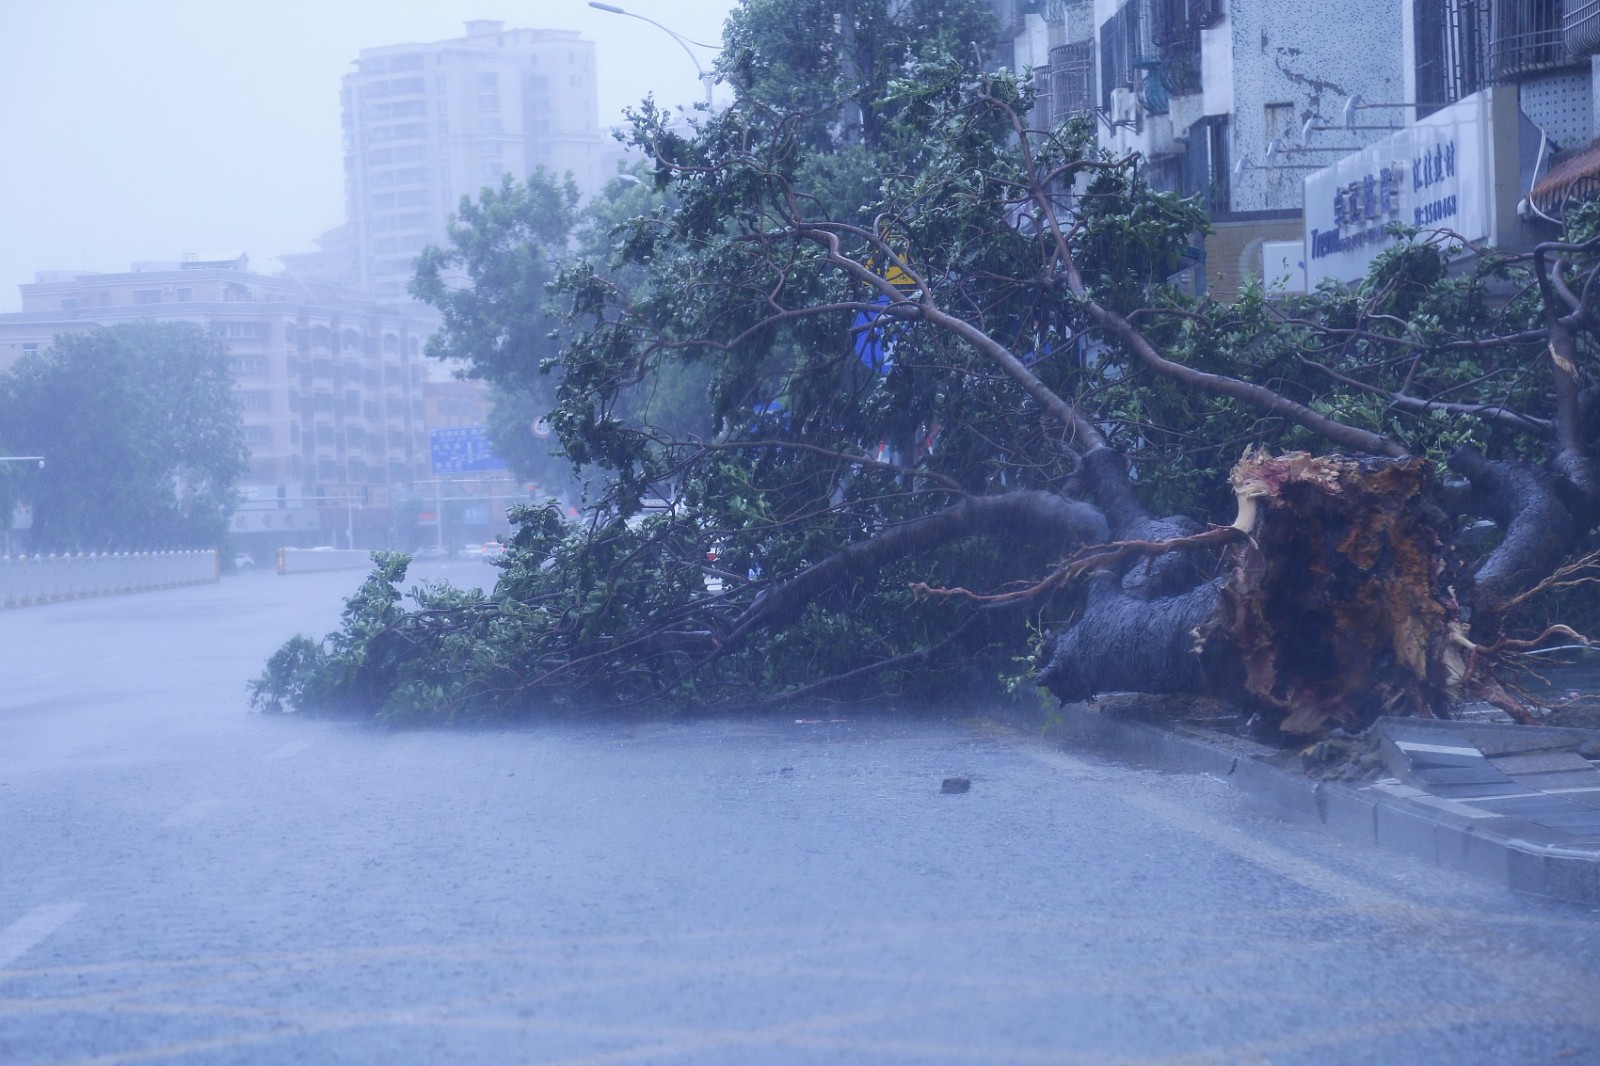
pixel 963 434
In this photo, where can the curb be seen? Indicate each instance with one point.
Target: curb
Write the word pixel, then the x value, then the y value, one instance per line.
pixel 1519 854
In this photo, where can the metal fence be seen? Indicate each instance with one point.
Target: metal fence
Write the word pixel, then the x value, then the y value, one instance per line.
pixel 315 560
pixel 26 580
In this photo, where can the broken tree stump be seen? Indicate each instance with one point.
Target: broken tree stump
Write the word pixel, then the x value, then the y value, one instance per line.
pixel 1338 606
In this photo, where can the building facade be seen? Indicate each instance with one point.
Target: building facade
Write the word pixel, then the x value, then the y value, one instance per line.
pixel 426 124
pixel 330 384
pixel 1242 103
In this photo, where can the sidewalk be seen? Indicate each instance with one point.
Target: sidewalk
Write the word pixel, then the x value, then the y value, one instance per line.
pixel 1519 805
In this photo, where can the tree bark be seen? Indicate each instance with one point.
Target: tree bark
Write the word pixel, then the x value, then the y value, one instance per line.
pixel 1538 527
pixel 1022 515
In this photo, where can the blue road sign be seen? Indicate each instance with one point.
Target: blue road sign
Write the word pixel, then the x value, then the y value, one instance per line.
pixel 462 450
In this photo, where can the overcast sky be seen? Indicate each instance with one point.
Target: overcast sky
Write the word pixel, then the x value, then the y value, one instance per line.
pixel 143 130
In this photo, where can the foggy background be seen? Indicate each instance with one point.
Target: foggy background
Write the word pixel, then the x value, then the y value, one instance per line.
pixel 143 131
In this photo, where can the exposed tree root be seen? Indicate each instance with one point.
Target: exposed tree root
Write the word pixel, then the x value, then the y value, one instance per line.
pixel 1339 606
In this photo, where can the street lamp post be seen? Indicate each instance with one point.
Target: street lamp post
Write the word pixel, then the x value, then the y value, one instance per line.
pixel 683 42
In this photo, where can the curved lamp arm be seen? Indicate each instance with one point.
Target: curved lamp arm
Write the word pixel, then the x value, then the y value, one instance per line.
pixel 683 42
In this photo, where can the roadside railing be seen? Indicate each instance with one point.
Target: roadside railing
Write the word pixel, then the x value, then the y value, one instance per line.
pixel 314 560
pixel 31 579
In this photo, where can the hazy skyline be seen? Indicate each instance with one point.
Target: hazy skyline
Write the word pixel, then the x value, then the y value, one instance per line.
pixel 146 131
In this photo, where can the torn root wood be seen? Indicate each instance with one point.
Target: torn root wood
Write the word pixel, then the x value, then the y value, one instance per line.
pixel 1335 605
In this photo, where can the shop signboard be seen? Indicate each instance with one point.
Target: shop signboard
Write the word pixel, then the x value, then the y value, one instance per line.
pixel 1436 174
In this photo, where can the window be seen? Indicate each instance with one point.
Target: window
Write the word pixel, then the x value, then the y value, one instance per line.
pixel 250 331
pixel 258 434
pixel 249 364
pixel 393 87
pixel 146 296
pixel 255 399
pixel 185 295
pixel 69 304
pixel 1278 122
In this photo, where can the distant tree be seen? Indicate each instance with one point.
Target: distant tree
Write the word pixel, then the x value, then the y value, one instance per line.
pixel 141 433
pixel 491 287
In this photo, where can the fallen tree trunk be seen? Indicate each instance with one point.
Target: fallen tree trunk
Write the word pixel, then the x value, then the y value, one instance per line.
pixel 1339 607
pixel 1539 530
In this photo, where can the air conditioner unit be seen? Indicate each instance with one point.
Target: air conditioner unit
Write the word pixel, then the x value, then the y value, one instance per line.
pixel 1124 107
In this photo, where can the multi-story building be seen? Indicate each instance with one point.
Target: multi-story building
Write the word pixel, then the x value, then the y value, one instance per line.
pixel 330 384
pixel 425 124
pixel 1251 106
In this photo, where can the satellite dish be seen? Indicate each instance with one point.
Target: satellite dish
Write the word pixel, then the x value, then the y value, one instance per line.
pixel 1274 146
pixel 540 427
pixel 1308 129
pixel 1350 107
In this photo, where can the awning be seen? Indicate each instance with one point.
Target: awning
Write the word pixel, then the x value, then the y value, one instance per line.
pixel 1576 177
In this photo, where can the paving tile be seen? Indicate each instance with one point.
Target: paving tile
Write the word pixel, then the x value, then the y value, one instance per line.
pixel 1542 763
pixel 1529 808
pixel 1460 775
pixel 1559 779
pixel 1586 824
pixel 1503 787
pixel 1420 759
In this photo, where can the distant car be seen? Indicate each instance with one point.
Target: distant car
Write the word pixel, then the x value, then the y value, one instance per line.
pixel 469 551
pixel 432 551
pixel 243 561
pixel 493 551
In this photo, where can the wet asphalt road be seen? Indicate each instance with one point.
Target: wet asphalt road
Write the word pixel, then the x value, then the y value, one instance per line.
pixel 184 882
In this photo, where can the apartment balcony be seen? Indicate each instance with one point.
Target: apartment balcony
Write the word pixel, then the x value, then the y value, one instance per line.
pixel 1580 26
pixel 1527 38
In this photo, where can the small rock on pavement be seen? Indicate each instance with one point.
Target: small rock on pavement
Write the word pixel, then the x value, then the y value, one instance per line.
pixel 954 786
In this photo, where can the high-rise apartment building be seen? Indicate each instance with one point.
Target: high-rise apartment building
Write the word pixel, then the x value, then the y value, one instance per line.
pixel 426 124
pixel 330 384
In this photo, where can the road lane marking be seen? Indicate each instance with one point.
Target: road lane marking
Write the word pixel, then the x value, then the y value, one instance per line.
pixel 21 935
pixel 288 751
pixel 191 814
